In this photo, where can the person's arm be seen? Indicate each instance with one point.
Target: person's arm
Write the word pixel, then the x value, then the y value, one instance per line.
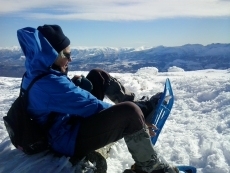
pixel 65 97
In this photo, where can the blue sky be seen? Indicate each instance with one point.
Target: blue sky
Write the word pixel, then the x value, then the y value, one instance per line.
pixel 115 23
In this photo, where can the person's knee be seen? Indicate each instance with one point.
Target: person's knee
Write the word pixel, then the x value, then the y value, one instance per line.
pixel 133 111
pixel 132 106
pixel 133 116
pixel 93 71
pixel 96 70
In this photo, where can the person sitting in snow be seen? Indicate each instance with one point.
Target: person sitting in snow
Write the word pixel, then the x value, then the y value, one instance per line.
pixel 83 122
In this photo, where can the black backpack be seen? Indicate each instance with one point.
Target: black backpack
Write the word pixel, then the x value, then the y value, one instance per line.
pixel 24 133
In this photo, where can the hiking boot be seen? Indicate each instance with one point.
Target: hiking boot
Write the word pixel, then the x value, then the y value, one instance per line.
pixel 148 106
pixel 99 160
pixel 116 92
pixel 92 162
pixel 160 168
pixel 145 156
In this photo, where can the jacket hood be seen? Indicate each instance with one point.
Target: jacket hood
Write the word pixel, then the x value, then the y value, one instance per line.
pixel 40 55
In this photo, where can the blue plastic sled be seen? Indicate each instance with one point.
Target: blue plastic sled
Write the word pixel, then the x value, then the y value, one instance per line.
pixel 160 116
pixel 163 109
pixel 187 169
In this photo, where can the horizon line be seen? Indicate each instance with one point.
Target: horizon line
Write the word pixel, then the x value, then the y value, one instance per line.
pixel 124 47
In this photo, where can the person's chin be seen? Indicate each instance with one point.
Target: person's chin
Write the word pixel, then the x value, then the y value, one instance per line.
pixel 64 69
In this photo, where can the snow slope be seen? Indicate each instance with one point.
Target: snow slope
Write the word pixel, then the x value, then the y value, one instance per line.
pixel 196 133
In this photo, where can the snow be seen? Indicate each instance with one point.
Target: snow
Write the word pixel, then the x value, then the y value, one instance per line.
pixel 197 132
pixel 12 48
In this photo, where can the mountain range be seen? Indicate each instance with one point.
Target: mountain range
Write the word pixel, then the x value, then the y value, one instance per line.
pixel 122 60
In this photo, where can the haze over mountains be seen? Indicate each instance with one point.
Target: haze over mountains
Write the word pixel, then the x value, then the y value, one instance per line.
pixel 122 60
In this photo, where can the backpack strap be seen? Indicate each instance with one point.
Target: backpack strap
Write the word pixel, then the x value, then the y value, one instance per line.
pixel 24 95
pixel 26 91
pixel 20 93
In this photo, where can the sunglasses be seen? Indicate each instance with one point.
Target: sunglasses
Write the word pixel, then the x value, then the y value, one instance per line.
pixel 67 55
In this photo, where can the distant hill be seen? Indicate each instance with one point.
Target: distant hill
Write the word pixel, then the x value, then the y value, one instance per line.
pixel 189 57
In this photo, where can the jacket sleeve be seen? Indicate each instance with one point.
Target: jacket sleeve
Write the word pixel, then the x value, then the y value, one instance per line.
pixel 64 97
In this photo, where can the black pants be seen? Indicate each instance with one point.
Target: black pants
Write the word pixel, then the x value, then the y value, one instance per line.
pixel 108 125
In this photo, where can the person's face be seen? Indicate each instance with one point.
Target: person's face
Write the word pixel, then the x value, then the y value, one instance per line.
pixel 63 60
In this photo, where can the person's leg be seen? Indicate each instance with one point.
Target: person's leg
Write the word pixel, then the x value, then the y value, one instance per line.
pixel 99 78
pixel 108 126
pixel 122 120
pixel 104 84
pixel 116 92
pixel 144 154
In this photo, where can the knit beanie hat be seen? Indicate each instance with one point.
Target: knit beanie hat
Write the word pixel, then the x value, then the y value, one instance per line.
pixel 55 36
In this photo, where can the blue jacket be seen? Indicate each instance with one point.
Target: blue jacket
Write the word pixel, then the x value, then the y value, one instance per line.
pixel 54 93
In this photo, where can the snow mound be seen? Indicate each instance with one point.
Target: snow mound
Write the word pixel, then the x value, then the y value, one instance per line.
pixel 147 71
pixel 175 69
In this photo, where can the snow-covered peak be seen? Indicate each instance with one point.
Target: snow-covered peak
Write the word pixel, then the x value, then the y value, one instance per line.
pixel 13 48
pixel 187 57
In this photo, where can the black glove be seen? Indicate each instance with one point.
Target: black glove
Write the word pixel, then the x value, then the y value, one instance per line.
pixel 82 82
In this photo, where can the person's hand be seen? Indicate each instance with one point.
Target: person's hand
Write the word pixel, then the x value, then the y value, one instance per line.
pixel 151 128
pixel 76 77
pixel 82 82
